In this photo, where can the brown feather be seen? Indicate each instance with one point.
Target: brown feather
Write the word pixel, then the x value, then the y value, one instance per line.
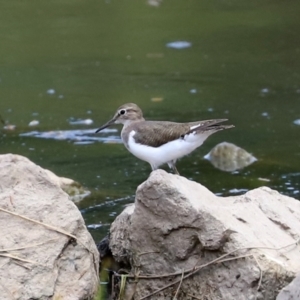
pixel 157 133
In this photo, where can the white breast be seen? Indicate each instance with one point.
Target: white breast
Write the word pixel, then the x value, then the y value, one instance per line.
pixel 173 150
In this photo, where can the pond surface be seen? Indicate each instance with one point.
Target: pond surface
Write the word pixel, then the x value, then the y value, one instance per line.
pixel 69 64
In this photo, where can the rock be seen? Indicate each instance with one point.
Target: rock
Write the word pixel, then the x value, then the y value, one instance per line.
pixel 291 291
pixel 46 251
pixel 229 157
pixel 73 188
pixel 177 225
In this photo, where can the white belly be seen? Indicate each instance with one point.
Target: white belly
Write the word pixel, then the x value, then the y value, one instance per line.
pixel 173 150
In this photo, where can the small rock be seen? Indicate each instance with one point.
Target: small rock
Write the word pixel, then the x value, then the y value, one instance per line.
pixel 229 157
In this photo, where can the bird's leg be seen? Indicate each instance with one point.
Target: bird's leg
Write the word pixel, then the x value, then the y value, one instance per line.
pixel 172 165
pixel 175 170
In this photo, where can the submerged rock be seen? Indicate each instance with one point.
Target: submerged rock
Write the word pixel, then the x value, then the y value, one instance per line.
pixel 229 157
pixel 180 241
pixel 46 251
pixel 73 188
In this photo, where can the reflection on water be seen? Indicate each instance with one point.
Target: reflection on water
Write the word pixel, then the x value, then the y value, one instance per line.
pixel 83 59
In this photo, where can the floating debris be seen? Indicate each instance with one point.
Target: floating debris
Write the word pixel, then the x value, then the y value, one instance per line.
pixel 95 226
pixel 34 123
pixel 155 55
pixel 81 122
pixel 179 45
pixel 80 137
pixel 9 127
pixel 297 122
pixel 229 157
pixel 264 179
pixel 51 92
pixel 154 2
pixel 193 91
pixel 265 114
pixel 264 90
pixel 157 99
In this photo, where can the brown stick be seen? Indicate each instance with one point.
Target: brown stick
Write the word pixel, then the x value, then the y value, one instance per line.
pixel 190 274
pixel 194 296
pixel 217 260
pixel 21 259
pixel 260 276
pixel 150 276
pixel 180 283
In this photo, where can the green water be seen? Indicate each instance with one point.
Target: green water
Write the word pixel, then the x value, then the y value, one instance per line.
pixel 96 55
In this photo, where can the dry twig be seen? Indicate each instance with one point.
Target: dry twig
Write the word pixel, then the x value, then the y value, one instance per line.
pixel 192 273
pixel 260 276
pixel 194 296
pixel 40 223
pixel 195 268
pixel 21 259
pixel 220 259
pixel 180 283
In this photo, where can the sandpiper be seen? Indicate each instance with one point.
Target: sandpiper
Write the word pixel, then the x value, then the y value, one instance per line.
pixel 160 142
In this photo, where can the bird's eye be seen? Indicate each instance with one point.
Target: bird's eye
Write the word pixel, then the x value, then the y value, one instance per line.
pixel 122 111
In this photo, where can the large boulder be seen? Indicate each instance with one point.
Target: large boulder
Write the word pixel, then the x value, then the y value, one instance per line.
pixel 180 241
pixel 46 251
pixel 291 291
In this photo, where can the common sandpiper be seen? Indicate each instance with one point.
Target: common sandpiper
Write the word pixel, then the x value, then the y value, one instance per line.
pixel 160 142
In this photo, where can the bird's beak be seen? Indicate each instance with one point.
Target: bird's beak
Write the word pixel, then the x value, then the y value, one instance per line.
pixel 112 121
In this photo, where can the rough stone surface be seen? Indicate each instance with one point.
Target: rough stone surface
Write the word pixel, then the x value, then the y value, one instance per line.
pixel 37 262
pixel 291 291
pixel 176 224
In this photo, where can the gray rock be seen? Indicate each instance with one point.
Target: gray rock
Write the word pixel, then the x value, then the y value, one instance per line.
pixel 176 224
pixel 58 260
pixel 291 291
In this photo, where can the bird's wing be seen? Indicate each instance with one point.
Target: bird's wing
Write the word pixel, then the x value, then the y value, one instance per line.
pixel 208 125
pixel 157 133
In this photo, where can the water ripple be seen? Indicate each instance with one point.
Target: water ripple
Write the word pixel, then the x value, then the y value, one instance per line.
pixel 79 136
